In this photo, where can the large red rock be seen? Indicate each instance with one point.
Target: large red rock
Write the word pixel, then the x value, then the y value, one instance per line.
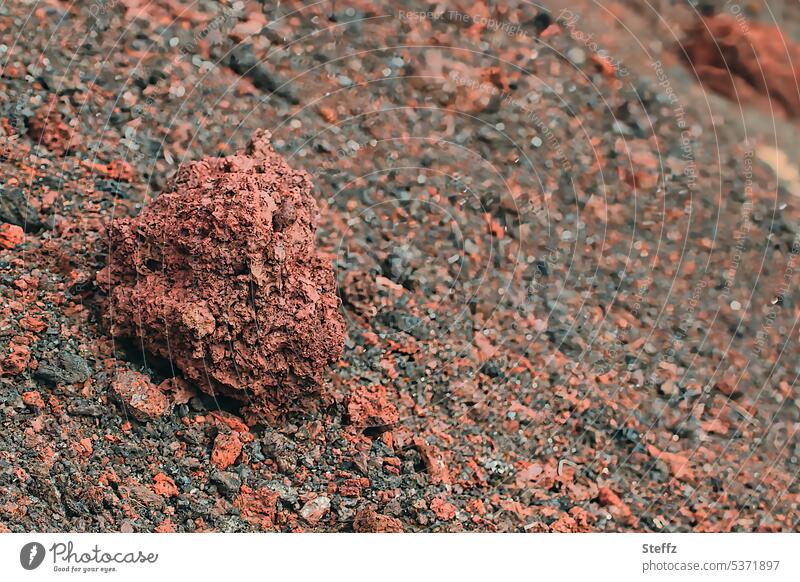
pixel 747 61
pixel 220 274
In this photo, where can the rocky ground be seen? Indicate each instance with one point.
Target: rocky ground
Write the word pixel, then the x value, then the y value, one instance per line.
pixel 568 272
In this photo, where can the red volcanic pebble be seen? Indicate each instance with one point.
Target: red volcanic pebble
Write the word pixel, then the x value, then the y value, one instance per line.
pixel 220 274
pixel 257 506
pixel 17 361
pixel 33 399
pixel 443 510
pixel 368 520
pixel 11 235
pixel 48 128
pixel 227 448
pixel 369 406
pixel 165 486
pixel 140 396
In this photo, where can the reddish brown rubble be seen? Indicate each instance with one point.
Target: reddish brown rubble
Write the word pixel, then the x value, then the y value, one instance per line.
pixel 48 129
pixel 139 396
pixel 11 235
pixel 370 407
pixel 368 520
pixel 220 274
pixel 257 506
pixel 227 448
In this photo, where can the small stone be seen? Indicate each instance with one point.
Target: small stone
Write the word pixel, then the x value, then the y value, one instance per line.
pixel 369 407
pixel 227 448
pixel 139 396
pixel 286 493
pixel 443 509
pixel 576 55
pixel 368 520
pixel 17 361
pixel 164 485
pixel 11 235
pixel 314 510
pixel 33 399
pixel 257 507
pixel 85 408
pixel 69 369
pixel 228 482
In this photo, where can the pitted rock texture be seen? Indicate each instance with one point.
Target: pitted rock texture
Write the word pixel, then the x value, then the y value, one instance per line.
pixel 221 276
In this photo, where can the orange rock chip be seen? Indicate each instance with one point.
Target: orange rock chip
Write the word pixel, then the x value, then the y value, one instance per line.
pixel 11 235
pixel 227 448
pixel 369 406
pixel 141 398
pixel 370 521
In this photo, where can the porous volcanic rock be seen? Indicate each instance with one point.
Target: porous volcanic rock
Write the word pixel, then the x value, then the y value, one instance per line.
pixel 220 275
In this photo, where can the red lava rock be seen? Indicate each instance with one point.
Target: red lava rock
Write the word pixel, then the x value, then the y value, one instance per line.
pixel 33 324
pixel 121 170
pixel 353 487
pixel 369 406
pixel 17 361
pixel 368 520
pixel 11 235
pixel 257 506
pixel 165 526
pixel 220 418
pixel 33 399
pixel 679 465
pixel 227 448
pixel 220 274
pixel 746 61
pixel 434 463
pixel 48 128
pixel 87 448
pixel 607 497
pixel 164 485
pixel 616 506
pixel 139 396
pixel 443 510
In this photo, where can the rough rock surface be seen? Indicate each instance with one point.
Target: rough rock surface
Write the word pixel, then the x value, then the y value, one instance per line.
pixel 368 520
pixel 139 396
pixel 220 275
pixel 48 128
pixel 746 61
pixel 11 235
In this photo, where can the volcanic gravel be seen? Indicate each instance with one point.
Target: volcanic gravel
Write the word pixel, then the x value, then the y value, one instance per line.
pixel 569 285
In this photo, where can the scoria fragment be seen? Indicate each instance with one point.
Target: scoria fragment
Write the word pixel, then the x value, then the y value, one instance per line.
pixel 220 275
